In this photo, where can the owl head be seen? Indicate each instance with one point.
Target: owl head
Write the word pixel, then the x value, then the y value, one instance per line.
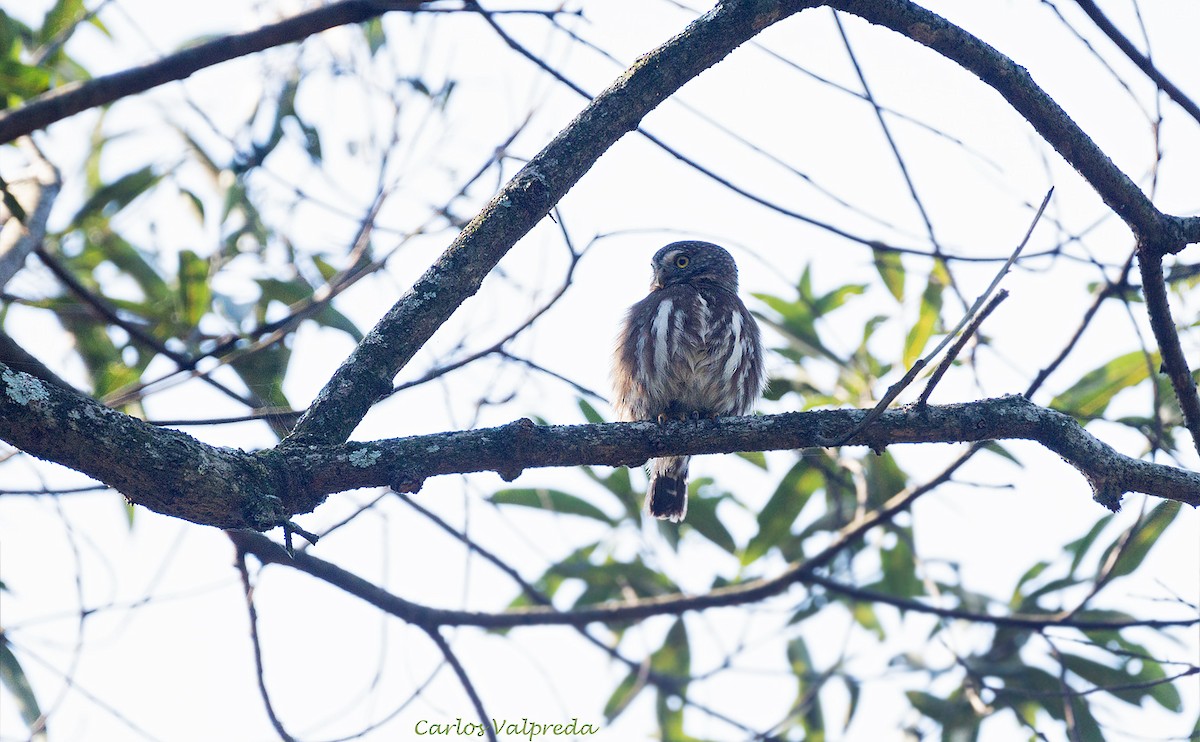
pixel 691 262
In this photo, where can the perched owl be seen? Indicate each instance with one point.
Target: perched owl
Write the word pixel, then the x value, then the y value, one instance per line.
pixel 690 349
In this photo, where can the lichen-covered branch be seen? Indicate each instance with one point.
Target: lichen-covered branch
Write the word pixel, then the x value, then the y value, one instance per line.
pixel 174 474
pixel 404 463
pixel 162 469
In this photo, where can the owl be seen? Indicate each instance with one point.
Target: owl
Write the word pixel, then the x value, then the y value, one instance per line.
pixel 689 350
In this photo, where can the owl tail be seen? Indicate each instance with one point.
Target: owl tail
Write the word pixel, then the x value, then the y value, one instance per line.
pixel 667 495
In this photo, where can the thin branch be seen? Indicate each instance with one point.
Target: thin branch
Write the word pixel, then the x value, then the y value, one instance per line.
pixel 248 591
pixel 895 389
pixel 1017 87
pixel 959 344
pixel 1014 620
pixel 463 678
pixel 1143 62
pixel 68 100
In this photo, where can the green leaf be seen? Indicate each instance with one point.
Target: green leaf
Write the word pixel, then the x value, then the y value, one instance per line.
pixel 1144 538
pixel 59 18
pixel 1079 547
pixel 624 694
pixel 553 500
pixel 808 685
pixel 900 568
pixel 702 516
pixel 927 321
pixel 758 458
pixel 117 195
pixel 1001 451
pixel 777 516
pixel 891 270
pixel 195 293
pixel 619 485
pixel 865 616
pixel 589 412
pixel 12 676
pixel 1121 683
pixel 374 34
pixel 1089 396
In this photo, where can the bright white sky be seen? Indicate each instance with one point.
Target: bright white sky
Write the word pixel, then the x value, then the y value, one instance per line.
pixel 178 666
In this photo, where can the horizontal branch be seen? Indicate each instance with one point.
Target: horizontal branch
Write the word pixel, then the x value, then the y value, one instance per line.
pixel 70 99
pixel 174 474
pixel 404 463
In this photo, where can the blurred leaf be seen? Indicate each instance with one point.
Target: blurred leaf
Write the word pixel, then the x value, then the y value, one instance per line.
pixel 12 676
pixel 891 270
pixel 758 458
pixel 21 81
pixel 1125 685
pixel 1089 396
pixel 780 512
pixel 1143 539
pixel 927 321
pixel 885 478
pixel 195 293
pixel 808 685
pixel 116 195
pixel 589 412
pixel 374 34
pixel 1079 547
pixel 61 16
pixel 619 485
pixel 865 616
pixel 900 568
pixel 624 694
pixel 702 515
pixel 1001 451
pixel 552 500
pixel 262 370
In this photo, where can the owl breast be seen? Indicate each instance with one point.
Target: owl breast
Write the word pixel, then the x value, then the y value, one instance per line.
pixel 687 350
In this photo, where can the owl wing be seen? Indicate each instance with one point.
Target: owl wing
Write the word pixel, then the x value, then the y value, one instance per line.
pixel 647 349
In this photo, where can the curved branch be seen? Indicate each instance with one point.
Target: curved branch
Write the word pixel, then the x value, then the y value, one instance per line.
pixel 68 100
pixel 367 374
pixel 430 618
pixel 1018 89
pixel 1142 61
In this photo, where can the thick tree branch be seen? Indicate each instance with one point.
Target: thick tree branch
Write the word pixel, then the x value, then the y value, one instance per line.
pixel 166 471
pixel 68 100
pixel 367 374
pixel 404 463
pixel 174 474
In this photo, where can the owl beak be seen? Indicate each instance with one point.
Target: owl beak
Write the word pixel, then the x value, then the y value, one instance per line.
pixel 658 282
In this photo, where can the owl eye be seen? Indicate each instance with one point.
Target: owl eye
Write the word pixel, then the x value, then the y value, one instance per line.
pixel 682 261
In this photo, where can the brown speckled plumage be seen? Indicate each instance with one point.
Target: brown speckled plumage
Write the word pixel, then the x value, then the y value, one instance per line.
pixel 689 349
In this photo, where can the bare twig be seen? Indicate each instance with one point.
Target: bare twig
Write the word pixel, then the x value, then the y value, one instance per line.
pixel 959 344
pixel 248 591
pixel 895 389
